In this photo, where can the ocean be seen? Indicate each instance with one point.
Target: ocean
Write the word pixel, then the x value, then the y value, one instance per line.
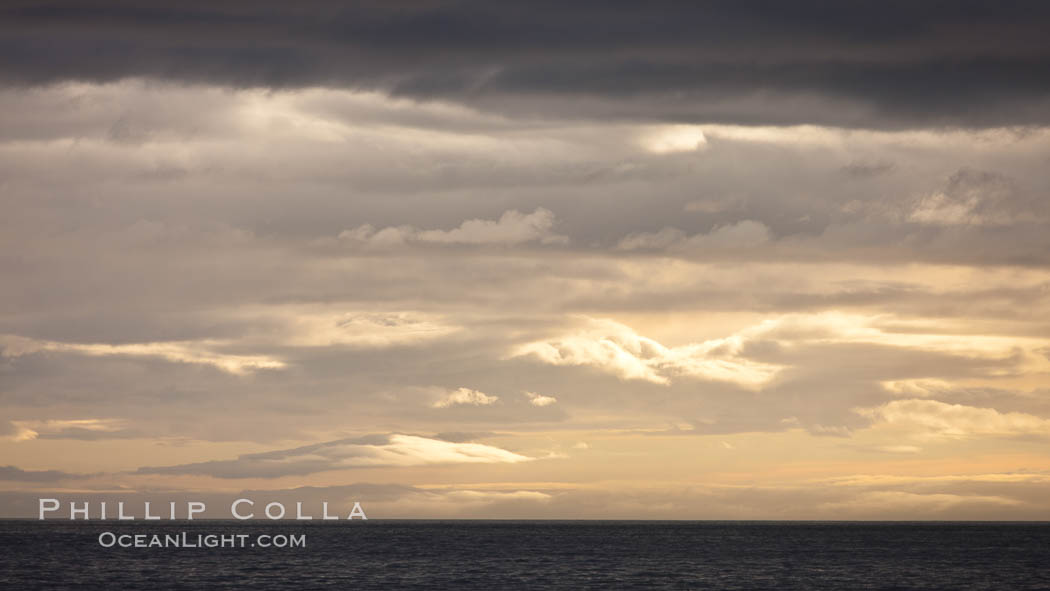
pixel 497 555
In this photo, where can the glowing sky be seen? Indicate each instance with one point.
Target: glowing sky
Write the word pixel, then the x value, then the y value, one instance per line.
pixel 461 261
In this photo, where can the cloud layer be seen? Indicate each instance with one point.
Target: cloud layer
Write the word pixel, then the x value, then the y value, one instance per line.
pixel 889 65
pixel 722 260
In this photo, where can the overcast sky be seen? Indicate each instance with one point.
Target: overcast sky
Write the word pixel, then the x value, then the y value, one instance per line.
pixel 544 260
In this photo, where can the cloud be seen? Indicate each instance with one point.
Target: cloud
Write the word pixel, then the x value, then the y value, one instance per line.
pixel 82 429
pixel 615 348
pixel 194 352
pixel 15 431
pixel 14 474
pixel 833 327
pixel 904 64
pixel 404 150
pixel 743 234
pixel 675 138
pixel 539 399
pixel 465 397
pixel 321 326
pixel 930 420
pixel 364 452
pixel 513 227
pixel 973 197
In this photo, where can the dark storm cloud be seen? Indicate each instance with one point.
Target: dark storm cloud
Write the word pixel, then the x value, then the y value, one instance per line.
pixel 869 65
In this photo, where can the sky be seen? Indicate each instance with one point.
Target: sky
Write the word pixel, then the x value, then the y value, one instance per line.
pixel 616 260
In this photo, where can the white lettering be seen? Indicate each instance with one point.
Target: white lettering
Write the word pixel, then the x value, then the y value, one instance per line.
pixel 48 505
pixel 233 508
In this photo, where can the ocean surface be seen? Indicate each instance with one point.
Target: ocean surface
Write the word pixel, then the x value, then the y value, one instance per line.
pixel 497 555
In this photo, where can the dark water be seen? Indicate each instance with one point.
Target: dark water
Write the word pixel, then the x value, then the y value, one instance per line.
pixel 495 555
